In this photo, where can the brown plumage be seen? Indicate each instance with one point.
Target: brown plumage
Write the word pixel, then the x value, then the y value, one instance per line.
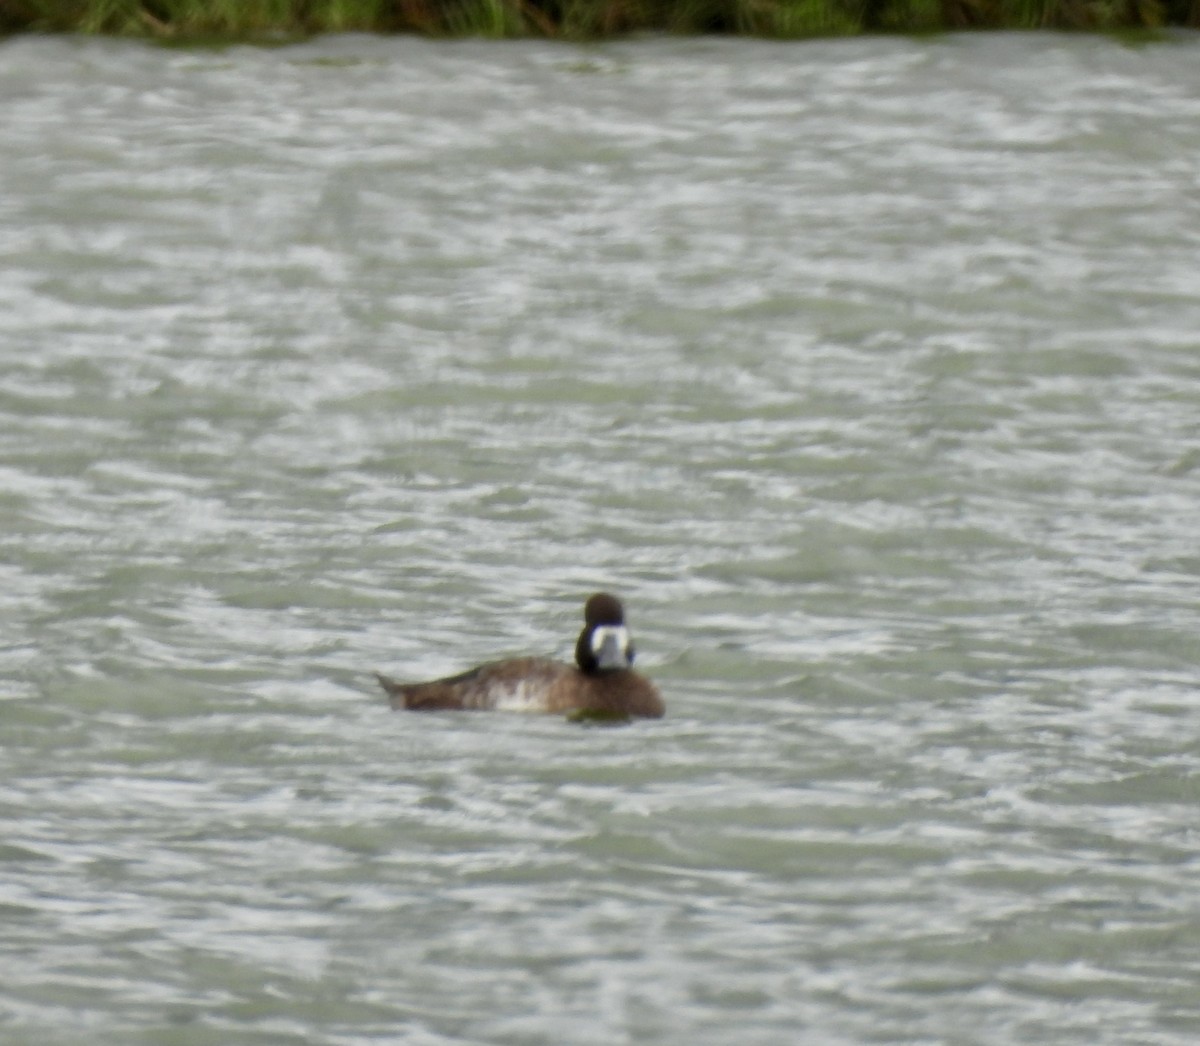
pixel 602 682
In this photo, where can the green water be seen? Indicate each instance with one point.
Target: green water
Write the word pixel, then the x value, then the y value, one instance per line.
pixel 867 373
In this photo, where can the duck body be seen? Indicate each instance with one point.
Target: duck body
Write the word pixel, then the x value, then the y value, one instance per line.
pixel 602 683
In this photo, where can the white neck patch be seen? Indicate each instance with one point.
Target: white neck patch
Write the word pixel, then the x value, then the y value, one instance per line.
pixel 609 633
pixel 610 646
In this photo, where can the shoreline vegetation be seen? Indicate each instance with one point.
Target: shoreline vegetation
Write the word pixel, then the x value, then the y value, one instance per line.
pixel 198 21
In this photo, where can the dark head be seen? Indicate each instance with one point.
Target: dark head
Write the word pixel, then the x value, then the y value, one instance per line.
pixel 604 644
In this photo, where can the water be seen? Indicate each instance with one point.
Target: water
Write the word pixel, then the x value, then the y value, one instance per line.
pixel 866 371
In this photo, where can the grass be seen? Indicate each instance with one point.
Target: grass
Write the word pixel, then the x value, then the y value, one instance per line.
pixel 185 20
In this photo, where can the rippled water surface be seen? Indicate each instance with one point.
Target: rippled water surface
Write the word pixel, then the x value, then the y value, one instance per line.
pixel 868 372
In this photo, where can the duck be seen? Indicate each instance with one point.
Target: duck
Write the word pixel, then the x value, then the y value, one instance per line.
pixel 601 684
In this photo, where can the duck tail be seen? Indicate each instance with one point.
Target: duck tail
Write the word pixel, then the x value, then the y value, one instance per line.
pixel 390 686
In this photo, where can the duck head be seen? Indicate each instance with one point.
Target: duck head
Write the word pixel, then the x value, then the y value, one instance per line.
pixel 605 644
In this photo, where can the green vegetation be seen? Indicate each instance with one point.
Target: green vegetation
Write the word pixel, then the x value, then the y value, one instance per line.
pixel 189 20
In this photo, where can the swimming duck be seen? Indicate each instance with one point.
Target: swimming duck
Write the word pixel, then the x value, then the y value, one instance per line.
pixel 601 683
